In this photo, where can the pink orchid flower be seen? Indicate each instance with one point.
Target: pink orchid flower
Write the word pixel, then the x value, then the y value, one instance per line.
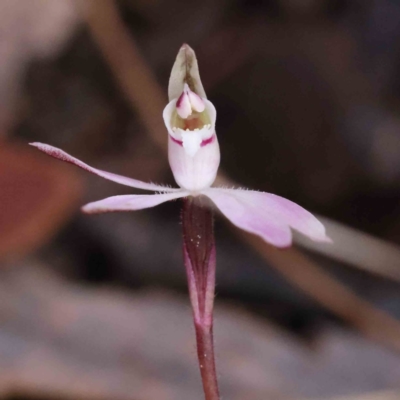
pixel 194 157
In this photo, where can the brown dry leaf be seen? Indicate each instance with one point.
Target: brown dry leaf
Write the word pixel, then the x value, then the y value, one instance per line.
pixel 37 195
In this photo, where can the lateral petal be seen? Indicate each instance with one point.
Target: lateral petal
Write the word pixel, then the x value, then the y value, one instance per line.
pixel 250 218
pixel 285 211
pixel 130 202
pixel 123 180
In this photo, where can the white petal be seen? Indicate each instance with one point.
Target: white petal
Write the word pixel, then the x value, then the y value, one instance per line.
pixel 283 210
pixel 123 180
pixel 250 218
pixel 130 202
pixel 291 213
pixel 198 172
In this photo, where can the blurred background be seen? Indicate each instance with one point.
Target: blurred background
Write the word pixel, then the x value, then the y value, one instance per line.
pixel 96 307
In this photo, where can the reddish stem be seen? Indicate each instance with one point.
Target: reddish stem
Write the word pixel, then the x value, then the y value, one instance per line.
pixel 205 353
pixel 199 256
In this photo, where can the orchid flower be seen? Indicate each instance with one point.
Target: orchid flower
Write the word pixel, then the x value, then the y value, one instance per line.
pixel 194 157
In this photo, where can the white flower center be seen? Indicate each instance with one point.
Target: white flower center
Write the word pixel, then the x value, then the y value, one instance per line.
pixel 190 121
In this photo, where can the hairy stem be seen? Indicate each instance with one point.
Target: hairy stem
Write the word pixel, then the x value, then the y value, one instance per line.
pixel 205 353
pixel 200 263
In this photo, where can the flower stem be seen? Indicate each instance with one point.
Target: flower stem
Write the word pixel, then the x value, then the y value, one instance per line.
pixel 200 263
pixel 205 353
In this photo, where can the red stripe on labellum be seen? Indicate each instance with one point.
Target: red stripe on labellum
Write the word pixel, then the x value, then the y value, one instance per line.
pixel 207 141
pixel 176 140
pixel 203 143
